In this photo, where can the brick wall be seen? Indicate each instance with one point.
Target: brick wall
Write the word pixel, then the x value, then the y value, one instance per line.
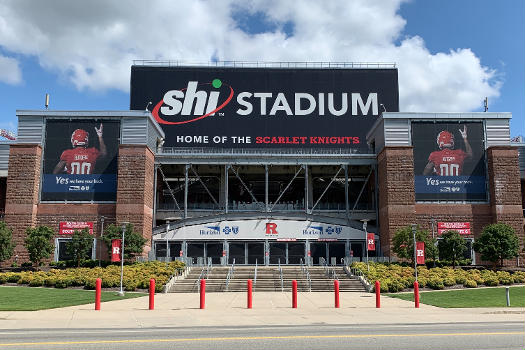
pixel 396 192
pixel 135 189
pixel 23 185
pixel 505 190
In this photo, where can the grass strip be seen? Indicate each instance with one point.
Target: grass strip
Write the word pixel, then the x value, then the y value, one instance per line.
pixel 36 298
pixel 464 298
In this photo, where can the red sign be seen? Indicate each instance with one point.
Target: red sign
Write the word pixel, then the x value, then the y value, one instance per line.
pixel 462 227
pixel 180 252
pixel 69 227
pixel 116 246
pixel 420 253
pixel 271 228
pixel 370 242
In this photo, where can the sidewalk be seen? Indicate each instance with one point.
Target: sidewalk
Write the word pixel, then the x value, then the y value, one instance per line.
pixel 229 309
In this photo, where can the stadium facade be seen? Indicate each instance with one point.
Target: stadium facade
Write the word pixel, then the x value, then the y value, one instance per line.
pixel 275 164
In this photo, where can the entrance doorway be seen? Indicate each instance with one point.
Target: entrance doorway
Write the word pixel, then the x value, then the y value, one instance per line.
pixel 317 251
pixel 336 253
pixel 286 253
pixel 255 253
pixel 356 250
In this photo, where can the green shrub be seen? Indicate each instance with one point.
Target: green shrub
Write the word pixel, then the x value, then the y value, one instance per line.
pixel 436 283
pixel 36 282
pixel 491 281
pixel 518 277
pixel 13 278
pixel 470 284
pixel 50 281
pixel 449 281
pixel 61 283
pixel 3 278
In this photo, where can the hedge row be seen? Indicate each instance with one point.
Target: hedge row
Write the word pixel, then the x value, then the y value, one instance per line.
pixel 135 276
pixel 395 278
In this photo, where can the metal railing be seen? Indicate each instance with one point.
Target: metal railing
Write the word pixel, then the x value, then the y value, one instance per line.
pixel 263 64
pixel 306 273
pixel 231 271
pixel 329 271
pixel 198 280
pixel 255 276
pixel 281 274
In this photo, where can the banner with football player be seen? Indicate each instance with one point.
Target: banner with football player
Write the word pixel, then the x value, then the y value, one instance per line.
pixel 80 160
pixel 449 161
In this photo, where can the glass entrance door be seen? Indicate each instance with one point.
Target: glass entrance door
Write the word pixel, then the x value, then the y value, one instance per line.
pixel 214 251
pixel 237 252
pixel 295 253
pixel 255 252
pixel 356 249
pixel 317 251
pixel 196 252
pixel 336 250
pixel 277 253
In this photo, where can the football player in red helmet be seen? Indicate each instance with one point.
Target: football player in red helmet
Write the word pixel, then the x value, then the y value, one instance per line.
pixel 448 161
pixel 81 160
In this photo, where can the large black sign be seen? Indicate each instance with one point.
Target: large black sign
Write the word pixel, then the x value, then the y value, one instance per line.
pixel 449 161
pixel 80 160
pixel 260 108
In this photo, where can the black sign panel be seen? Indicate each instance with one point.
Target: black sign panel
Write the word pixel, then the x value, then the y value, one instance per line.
pixel 261 108
pixel 80 160
pixel 449 161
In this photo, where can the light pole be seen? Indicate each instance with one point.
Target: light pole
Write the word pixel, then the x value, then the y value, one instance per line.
pixel 414 227
pixel 121 293
pixel 365 224
pixel 100 240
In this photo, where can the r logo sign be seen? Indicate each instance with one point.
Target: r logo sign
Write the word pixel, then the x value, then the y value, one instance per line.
pixel 271 228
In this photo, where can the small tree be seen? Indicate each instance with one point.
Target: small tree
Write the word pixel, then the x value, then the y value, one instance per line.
pixel 6 242
pixel 133 241
pixel 497 242
pixel 80 246
pixel 403 243
pixel 39 243
pixel 451 247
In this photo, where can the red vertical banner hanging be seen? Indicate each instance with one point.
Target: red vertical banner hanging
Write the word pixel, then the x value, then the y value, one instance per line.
pixel 420 253
pixel 116 246
pixel 370 242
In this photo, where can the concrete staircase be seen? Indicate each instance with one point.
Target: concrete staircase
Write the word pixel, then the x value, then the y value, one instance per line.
pixel 268 280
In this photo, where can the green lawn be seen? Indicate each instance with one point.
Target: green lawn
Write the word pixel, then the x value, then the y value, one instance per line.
pixel 30 299
pixel 482 297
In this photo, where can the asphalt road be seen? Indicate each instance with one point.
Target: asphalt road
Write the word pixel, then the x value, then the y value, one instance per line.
pixel 457 336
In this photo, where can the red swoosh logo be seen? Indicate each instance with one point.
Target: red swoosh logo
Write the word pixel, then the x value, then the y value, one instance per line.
pixel 155 111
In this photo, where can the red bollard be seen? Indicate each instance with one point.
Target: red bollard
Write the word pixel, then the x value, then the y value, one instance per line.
pixel 203 294
pixel 416 294
pixel 98 287
pixel 336 291
pixel 294 294
pixel 378 294
pixel 151 294
pixel 249 302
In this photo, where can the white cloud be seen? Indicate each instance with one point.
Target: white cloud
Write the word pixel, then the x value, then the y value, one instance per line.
pixel 93 43
pixel 10 71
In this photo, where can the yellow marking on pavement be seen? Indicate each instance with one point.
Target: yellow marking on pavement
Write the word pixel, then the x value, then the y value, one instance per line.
pixel 343 336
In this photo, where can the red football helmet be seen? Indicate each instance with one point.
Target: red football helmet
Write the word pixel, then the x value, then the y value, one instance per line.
pixel 445 139
pixel 79 138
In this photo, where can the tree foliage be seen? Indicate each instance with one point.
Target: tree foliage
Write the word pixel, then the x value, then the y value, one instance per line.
pixel 497 242
pixel 6 242
pixel 39 243
pixel 451 247
pixel 133 241
pixel 80 246
pixel 403 243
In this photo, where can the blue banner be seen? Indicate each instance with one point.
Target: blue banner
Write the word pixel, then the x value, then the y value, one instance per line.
pixel 450 184
pixel 65 183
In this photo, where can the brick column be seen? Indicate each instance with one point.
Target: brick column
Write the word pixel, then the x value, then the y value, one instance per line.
pixel 396 192
pixel 505 190
pixel 135 189
pixel 23 187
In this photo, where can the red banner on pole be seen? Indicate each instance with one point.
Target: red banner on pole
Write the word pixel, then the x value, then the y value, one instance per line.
pixel 116 246
pixel 370 242
pixel 420 253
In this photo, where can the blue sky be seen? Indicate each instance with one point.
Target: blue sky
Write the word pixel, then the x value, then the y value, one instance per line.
pixel 444 48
